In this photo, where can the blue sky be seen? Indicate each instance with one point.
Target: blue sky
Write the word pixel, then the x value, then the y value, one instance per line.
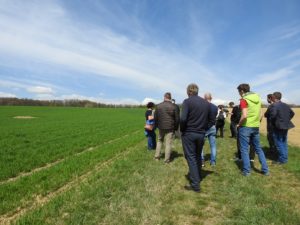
pixel 131 51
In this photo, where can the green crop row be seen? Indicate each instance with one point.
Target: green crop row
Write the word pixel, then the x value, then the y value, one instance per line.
pixel 23 192
pixel 56 133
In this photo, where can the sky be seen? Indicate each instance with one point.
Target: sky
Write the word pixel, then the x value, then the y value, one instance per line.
pixel 133 51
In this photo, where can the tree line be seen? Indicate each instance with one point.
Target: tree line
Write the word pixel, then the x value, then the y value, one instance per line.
pixel 75 103
pixel 61 103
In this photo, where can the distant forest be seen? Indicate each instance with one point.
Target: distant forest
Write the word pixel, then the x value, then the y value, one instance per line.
pixel 62 103
pixel 74 103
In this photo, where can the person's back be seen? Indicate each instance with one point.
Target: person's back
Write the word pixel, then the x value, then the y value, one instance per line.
pixel 235 114
pixel 284 114
pixel 254 109
pixel 194 115
pixel 165 116
pixel 167 120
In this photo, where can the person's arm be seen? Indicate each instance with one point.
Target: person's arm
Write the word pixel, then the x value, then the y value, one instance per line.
pixel 176 117
pixel 267 113
pixel 244 112
pixel 291 114
pixel 183 117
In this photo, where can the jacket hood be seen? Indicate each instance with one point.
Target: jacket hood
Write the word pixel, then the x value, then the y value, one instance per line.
pixel 253 97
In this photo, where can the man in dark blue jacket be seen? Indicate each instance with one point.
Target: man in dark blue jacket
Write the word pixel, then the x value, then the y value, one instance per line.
pixel 281 115
pixel 193 125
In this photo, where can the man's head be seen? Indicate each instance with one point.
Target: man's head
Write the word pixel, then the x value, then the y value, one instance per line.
pixel 277 96
pixel 167 96
pixel 270 98
pixel 231 104
pixel 192 89
pixel 243 89
pixel 150 105
pixel 207 96
pixel 173 101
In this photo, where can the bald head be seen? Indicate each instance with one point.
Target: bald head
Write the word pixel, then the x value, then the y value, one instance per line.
pixel 207 96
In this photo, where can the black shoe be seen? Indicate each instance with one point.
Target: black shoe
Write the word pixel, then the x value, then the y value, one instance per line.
pixel 189 188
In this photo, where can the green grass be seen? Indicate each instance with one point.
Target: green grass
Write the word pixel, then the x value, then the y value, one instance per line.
pixel 118 182
pixel 138 190
pixel 56 133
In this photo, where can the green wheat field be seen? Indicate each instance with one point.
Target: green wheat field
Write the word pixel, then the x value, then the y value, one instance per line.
pixel 91 166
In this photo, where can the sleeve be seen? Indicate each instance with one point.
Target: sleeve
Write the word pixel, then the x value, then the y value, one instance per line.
pixel 183 117
pixel 291 113
pixel 243 104
pixel 177 115
pixel 267 113
pixel 273 113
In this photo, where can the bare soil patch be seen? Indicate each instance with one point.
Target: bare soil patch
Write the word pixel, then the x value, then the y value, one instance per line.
pixel 24 117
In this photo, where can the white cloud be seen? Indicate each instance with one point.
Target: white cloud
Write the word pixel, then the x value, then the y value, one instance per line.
pixel 146 100
pixel 40 90
pixel 115 101
pixel 266 78
pixel 220 102
pixel 97 50
pixel 7 95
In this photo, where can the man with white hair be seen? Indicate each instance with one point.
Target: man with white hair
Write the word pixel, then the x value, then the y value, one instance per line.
pixel 211 132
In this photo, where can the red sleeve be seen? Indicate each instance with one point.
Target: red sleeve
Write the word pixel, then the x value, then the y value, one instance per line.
pixel 243 104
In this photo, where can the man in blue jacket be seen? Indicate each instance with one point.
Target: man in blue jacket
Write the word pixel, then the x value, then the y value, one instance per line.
pixel 281 115
pixel 193 125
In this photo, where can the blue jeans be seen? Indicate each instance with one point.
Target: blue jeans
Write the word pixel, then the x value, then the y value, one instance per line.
pixel 250 135
pixel 211 136
pixel 192 144
pixel 280 138
pixel 151 140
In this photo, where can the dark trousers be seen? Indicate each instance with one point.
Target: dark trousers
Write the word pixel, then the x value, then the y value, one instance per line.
pixel 233 129
pixel 192 144
pixel 220 125
pixel 151 136
pixel 271 141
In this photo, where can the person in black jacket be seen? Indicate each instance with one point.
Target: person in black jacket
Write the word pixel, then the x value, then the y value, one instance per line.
pixel 270 128
pixel 235 116
pixel 281 115
pixel 193 125
pixel 167 120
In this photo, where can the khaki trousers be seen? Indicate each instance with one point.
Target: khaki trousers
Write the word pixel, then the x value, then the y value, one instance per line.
pixel 166 136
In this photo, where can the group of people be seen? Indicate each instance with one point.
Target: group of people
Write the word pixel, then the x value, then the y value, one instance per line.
pixel 199 120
